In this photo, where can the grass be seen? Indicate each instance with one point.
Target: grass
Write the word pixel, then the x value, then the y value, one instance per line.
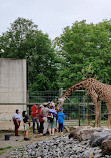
pixel 8 147
pixel 103 122
pixel 89 122
pixel 2 150
pixel 18 147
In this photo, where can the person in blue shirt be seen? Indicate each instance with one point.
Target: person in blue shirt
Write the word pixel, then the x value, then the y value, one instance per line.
pixel 61 120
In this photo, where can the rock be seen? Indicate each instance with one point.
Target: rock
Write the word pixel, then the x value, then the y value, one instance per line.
pixel 62 146
pixel 106 146
pixel 71 135
pixel 98 137
pixel 67 129
pixel 83 133
pixel 88 154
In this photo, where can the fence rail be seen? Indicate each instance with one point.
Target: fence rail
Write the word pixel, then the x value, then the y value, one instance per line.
pixel 77 107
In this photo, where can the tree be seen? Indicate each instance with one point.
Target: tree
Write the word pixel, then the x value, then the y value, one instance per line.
pixel 23 40
pixel 85 51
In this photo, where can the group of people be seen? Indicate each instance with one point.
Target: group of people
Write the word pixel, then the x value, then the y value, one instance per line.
pixel 46 116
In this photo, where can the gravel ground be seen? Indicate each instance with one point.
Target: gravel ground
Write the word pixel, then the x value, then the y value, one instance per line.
pixel 46 147
pixel 16 142
pixel 58 147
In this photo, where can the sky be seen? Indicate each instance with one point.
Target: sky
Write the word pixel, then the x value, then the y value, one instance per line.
pixel 52 16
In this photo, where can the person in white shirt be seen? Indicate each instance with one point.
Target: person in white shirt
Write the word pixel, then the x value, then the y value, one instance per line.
pixel 16 120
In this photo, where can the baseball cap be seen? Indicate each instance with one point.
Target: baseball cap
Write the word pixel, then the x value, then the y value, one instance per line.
pixel 45 103
pixel 60 109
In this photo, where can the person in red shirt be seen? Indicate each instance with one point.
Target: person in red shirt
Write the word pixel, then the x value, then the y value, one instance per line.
pixel 34 112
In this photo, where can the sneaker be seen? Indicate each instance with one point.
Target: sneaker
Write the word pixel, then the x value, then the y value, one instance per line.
pixel 44 134
pixel 26 138
pixel 41 134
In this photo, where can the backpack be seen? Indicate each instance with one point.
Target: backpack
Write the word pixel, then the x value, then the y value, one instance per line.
pixel 50 116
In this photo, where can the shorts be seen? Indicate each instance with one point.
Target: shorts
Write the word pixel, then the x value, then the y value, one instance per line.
pixel 26 126
pixel 52 124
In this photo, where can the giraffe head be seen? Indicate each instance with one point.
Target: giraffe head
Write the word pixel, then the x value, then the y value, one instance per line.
pixel 60 102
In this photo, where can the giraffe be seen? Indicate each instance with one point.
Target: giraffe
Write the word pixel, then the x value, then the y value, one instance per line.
pixel 97 91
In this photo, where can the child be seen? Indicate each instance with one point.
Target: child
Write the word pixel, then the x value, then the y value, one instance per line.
pixel 26 125
pixel 61 120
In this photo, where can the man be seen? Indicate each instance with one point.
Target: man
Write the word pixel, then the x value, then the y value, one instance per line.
pixel 34 112
pixel 44 112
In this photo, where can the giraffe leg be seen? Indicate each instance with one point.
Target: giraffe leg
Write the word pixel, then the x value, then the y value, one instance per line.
pixel 109 119
pixel 97 115
pixel 94 97
pixel 109 115
pixel 96 106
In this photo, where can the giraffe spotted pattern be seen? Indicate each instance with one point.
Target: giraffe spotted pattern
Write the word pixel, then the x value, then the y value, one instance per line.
pixel 97 91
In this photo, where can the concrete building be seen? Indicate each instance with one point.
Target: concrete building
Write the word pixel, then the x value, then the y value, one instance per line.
pixel 13 87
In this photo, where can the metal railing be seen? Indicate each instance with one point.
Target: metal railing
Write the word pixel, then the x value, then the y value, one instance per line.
pixel 76 107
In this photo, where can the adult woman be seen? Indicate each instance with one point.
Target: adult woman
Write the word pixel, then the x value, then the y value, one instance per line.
pixel 16 120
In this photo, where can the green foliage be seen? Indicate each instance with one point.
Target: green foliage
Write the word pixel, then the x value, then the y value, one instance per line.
pixel 85 51
pixel 74 115
pixel 36 97
pixel 2 152
pixel 8 147
pixel 23 40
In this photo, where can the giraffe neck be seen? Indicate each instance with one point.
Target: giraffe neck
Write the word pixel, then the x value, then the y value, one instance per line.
pixel 62 99
pixel 83 84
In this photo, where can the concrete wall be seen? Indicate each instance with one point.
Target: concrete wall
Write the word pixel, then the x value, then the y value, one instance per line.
pixel 12 86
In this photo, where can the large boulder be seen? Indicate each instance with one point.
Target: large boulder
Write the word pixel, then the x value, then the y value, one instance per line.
pixel 83 133
pixel 74 131
pixel 98 137
pixel 106 146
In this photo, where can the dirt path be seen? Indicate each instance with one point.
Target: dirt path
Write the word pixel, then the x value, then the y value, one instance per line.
pixel 17 141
